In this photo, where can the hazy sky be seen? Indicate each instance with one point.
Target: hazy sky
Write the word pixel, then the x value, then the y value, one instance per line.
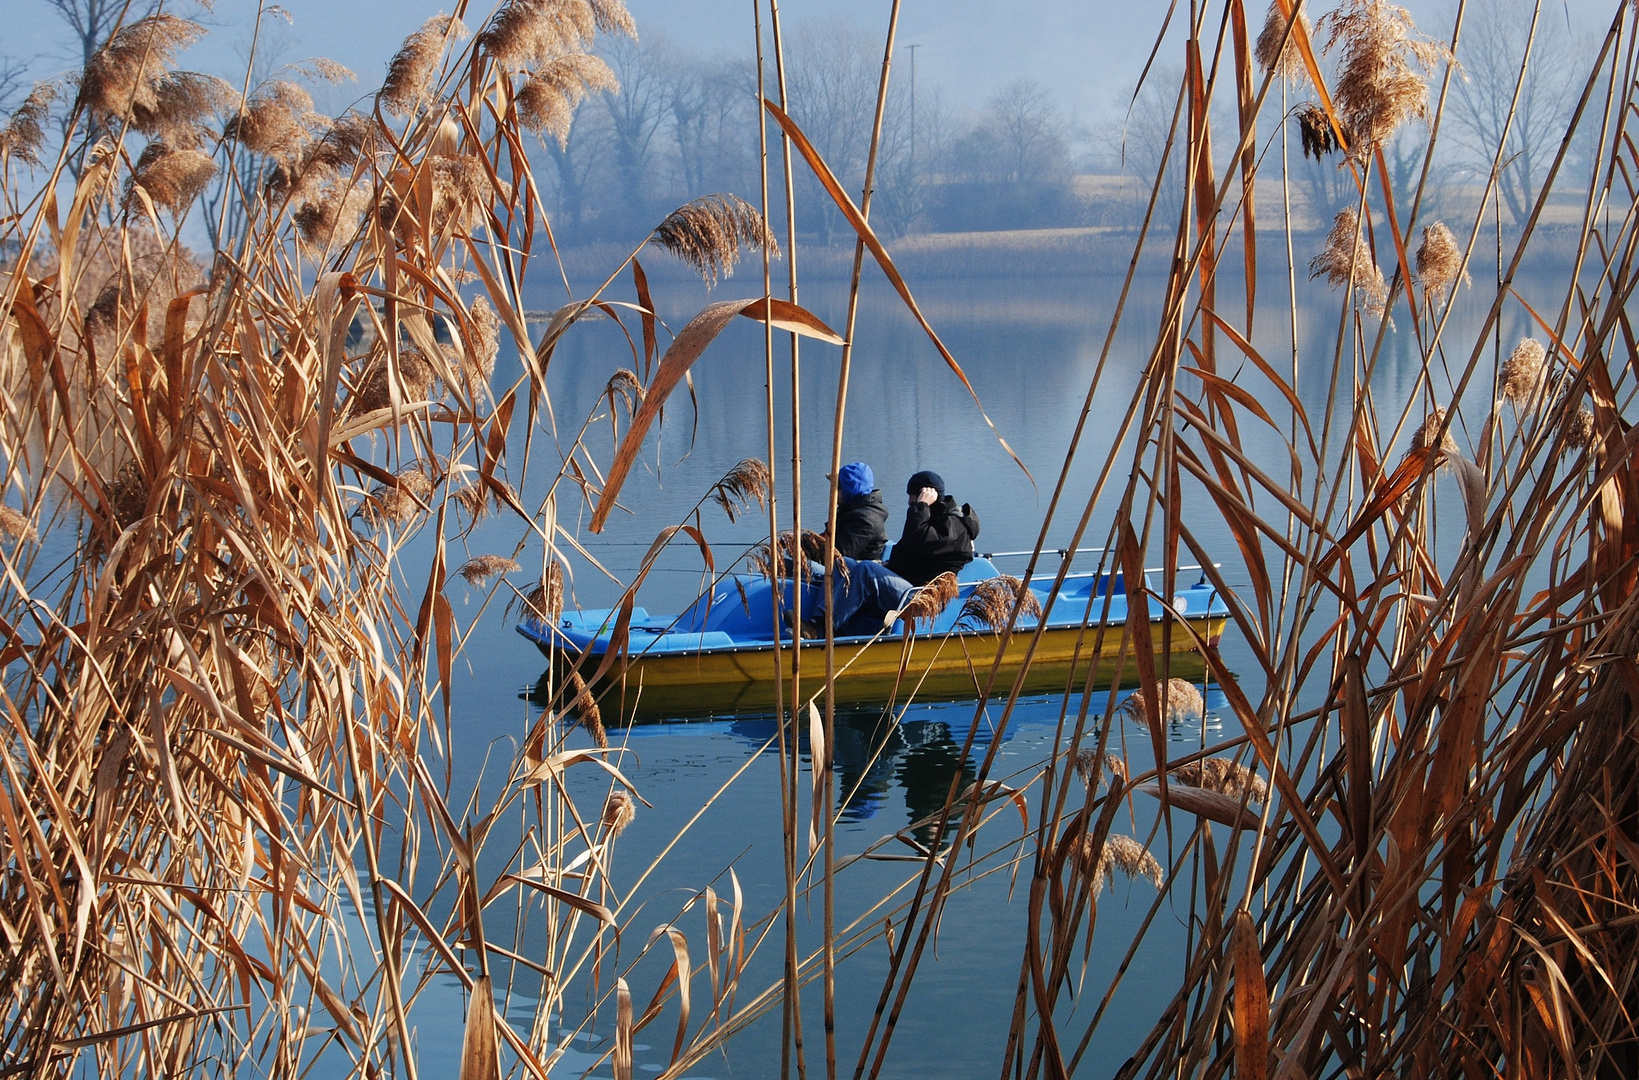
pixel 1087 51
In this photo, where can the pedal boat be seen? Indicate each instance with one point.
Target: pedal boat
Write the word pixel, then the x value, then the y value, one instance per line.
pixel 718 656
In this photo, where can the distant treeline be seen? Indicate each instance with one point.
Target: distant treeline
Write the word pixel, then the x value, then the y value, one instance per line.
pixel 684 125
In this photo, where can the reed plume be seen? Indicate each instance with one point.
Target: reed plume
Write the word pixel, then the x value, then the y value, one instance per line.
pixel 172 176
pixel 709 232
pixel 481 568
pixel 415 374
pixel 527 32
pixel 15 524
pixel 1088 761
pixel 1432 429
pixel 990 604
pixel 333 216
pixel 619 811
pixel 24 133
pixel 1439 261
pixel 275 121
pixel 1180 700
pixel 483 340
pixel 1120 853
pixel 625 385
pixel 1283 63
pixel 788 553
pixel 1521 374
pixel 1346 259
pixel 125 74
pixel 547 100
pixel 402 500
pixel 1386 64
pixel 1315 131
pixel 929 601
pixel 746 483
pixel 1579 429
pixel 410 72
pixel 182 102
pixel 585 708
pixel 545 600
pixel 1224 776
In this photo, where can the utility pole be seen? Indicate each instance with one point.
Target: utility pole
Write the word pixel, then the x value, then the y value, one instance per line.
pixel 913 49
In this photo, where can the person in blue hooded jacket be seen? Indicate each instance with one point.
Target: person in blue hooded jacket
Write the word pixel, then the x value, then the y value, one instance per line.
pixel 862 517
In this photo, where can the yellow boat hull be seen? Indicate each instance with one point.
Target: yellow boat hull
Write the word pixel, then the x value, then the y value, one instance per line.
pixel 944 667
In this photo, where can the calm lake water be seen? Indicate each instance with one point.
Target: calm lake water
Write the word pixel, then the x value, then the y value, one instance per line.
pixel 1029 348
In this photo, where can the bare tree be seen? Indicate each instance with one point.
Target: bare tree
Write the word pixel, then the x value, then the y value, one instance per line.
pixel 93 20
pixel 636 112
pixel 1492 50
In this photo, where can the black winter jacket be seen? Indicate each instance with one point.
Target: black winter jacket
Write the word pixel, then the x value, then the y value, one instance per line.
pixel 937 538
pixel 862 526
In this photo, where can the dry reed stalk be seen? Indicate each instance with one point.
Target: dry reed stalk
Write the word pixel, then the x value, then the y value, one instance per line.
pixel 410 72
pixel 1439 260
pixel 1385 67
pixel 929 601
pixel 709 232
pixel 991 603
pixel 1283 63
pixel 24 132
pixel 1223 775
pixel 1346 260
pixel 1520 378
pixel 746 483
pixel 481 568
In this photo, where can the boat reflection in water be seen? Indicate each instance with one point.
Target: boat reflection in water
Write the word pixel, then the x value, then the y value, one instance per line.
pixel 917 748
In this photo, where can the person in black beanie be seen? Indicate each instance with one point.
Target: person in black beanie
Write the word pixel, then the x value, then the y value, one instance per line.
pixel 938 534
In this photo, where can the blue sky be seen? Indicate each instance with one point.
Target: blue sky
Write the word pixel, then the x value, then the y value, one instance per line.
pixel 1087 51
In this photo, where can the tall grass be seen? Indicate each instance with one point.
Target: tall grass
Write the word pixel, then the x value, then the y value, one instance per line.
pixel 228 843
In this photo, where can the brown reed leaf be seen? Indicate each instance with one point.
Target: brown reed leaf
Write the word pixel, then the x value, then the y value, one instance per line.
pixel 125 73
pixel 15 525
pixel 586 710
pixel 1222 775
pixel 746 483
pixel 990 604
pixel 1346 259
pixel 1520 378
pixel 1283 63
pixel 24 133
pixel 709 232
pixel 545 600
pixel 619 811
pixel 1385 67
pixel 172 176
pixel 1315 130
pixel 547 101
pixel 1439 261
pixel 928 602
pixel 1180 700
pixel 1120 853
pixel 478 570
pixel 410 72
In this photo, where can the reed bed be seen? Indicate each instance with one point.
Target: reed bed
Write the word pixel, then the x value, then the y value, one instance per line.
pixel 228 841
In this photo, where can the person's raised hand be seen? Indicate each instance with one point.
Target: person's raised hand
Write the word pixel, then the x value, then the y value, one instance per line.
pixel 927 496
